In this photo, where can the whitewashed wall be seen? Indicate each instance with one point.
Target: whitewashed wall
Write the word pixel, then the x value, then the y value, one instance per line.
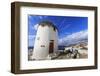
pixel 45 34
pixel 38 51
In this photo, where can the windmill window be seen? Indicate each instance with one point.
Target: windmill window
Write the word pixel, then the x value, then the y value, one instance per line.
pixel 42 45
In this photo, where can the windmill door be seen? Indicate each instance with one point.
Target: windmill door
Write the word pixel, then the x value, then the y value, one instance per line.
pixel 51 46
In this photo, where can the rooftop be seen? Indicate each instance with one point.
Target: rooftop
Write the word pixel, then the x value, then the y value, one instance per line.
pixel 47 23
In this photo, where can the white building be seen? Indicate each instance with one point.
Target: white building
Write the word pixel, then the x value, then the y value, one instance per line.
pixel 45 41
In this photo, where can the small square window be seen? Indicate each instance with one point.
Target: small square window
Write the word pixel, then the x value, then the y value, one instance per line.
pixel 42 45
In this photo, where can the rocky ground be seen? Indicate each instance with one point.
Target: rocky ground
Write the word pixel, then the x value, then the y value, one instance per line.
pixel 83 54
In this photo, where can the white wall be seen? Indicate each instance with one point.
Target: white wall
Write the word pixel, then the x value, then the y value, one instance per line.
pixel 5 30
pixel 38 51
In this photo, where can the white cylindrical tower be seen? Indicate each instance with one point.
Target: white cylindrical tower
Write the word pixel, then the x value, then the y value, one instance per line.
pixel 45 41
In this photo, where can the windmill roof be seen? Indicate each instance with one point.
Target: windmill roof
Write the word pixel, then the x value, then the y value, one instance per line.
pixel 47 23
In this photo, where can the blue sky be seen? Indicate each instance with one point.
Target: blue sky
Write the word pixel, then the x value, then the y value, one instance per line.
pixel 71 29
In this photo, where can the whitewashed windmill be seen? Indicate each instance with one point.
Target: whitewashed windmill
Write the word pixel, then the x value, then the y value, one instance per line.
pixel 46 41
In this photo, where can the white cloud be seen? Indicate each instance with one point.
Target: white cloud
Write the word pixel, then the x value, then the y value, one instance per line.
pixel 31 36
pixel 41 17
pixel 74 38
pixel 31 39
pixel 35 27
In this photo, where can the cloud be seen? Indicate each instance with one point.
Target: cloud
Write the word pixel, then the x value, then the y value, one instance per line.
pixel 31 36
pixel 31 39
pixel 41 17
pixel 74 38
pixel 35 27
pixel 66 27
